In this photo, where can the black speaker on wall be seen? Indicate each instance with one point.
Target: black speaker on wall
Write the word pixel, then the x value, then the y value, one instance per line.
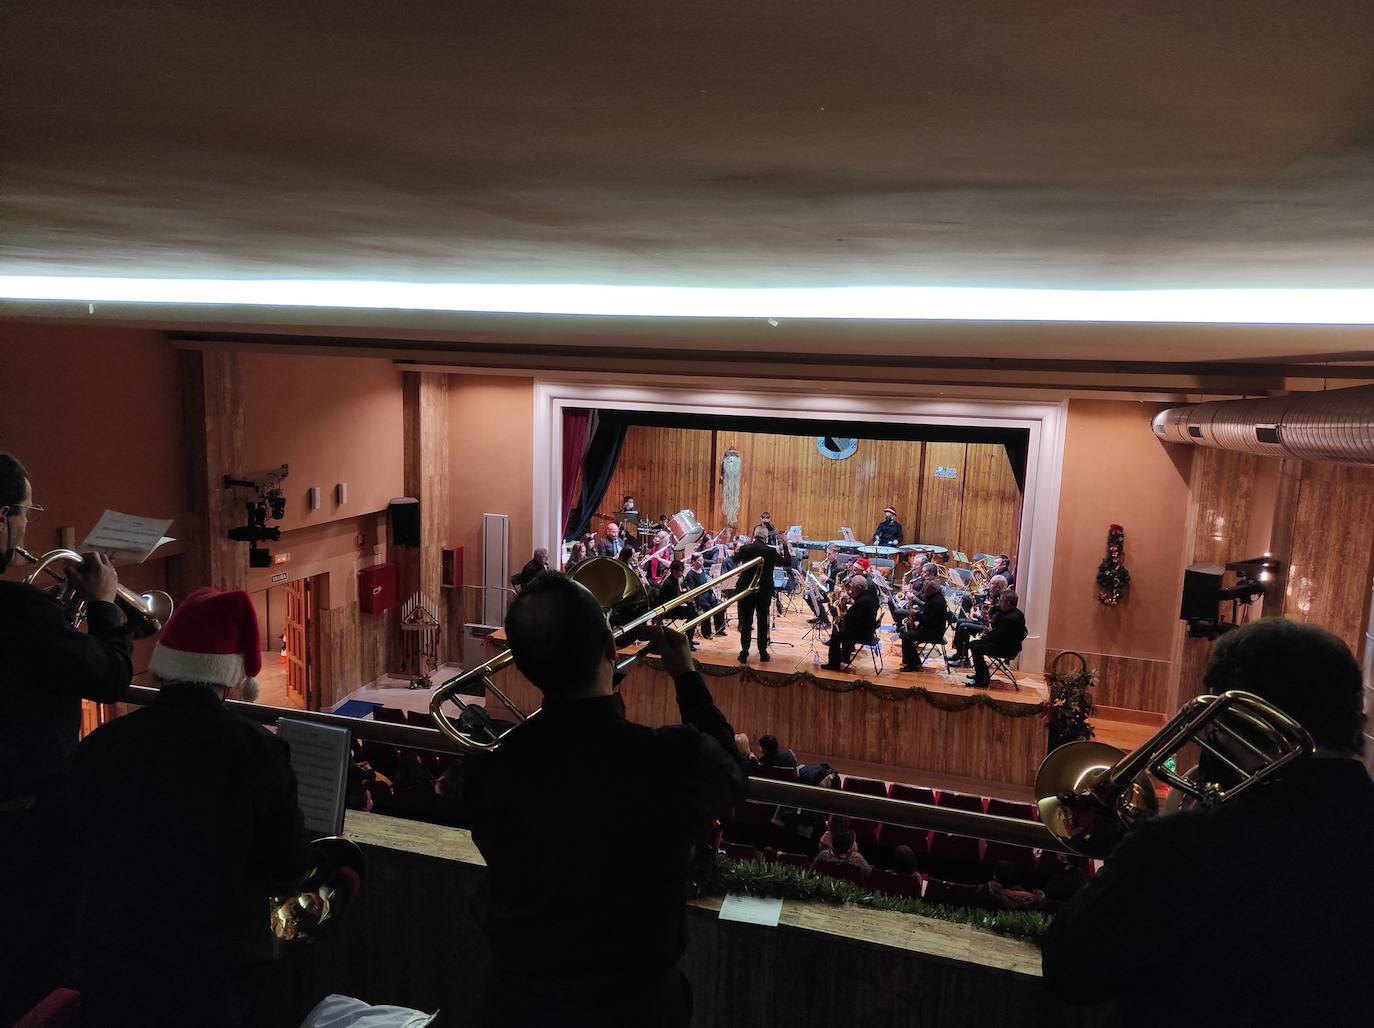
pixel 405 521
pixel 1201 592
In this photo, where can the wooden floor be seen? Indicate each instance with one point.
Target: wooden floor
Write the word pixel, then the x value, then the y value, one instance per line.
pixel 795 646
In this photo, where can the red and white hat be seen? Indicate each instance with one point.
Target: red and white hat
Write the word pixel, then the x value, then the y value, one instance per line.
pixel 211 637
pixel 890 510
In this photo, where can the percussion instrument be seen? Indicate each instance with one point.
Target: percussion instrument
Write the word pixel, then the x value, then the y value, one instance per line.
pixel 685 529
pixel 930 548
pixel 845 545
pixel 646 530
pixel 887 552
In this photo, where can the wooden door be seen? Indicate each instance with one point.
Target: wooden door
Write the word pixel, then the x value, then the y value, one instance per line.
pixel 297 675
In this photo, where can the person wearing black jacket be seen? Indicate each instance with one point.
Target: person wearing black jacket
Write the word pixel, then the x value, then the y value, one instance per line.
pixel 1003 639
pixel 856 627
pixel 47 668
pixel 537 563
pixel 1272 892
pixel 589 825
pixel 889 530
pixel 187 822
pixel 756 604
pixel 674 585
pixel 931 624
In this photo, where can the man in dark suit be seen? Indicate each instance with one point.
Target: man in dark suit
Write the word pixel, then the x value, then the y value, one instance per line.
pixel 185 803
pixel 1003 639
pixel 537 563
pixel 930 627
pixel 856 627
pixel 1272 892
pixel 756 605
pixel 675 585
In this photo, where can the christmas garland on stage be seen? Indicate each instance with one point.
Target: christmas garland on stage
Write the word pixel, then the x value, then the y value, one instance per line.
pixel 1112 575
pixel 938 700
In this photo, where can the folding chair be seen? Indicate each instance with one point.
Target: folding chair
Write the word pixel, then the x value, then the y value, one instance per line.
pixel 875 650
pixel 925 649
pixel 1002 666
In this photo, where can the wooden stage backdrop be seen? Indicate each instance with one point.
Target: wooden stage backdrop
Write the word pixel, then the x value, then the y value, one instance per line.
pixel 978 510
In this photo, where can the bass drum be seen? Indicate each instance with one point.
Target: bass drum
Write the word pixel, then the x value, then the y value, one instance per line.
pixel 686 530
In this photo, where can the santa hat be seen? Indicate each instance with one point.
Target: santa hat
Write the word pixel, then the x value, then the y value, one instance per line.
pixel 211 637
pixel 890 510
pixel 862 564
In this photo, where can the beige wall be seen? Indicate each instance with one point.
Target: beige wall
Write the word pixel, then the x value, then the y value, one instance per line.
pixel 332 419
pixel 95 416
pixel 1115 470
pixel 491 452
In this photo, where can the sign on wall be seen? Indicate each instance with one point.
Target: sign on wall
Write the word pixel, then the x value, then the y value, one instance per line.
pixel 943 472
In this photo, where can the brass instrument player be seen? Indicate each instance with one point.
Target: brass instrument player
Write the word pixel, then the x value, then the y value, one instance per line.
pixel 47 667
pixel 856 625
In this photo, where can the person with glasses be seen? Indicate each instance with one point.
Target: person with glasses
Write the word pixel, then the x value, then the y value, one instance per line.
pixel 47 667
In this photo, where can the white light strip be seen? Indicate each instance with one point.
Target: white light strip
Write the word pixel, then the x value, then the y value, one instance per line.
pixel 899 303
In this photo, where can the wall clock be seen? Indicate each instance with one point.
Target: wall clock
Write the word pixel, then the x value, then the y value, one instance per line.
pixel 836 448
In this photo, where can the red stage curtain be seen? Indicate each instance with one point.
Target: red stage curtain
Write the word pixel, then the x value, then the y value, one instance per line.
pixel 578 428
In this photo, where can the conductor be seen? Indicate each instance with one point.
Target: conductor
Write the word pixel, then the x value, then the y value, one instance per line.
pixel 756 604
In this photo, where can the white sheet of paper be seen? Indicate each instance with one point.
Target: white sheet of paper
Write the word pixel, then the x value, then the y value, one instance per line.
pixel 764 910
pixel 126 537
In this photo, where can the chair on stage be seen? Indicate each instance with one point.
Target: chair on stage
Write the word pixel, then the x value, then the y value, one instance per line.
pixel 875 651
pixel 1002 666
pixel 924 651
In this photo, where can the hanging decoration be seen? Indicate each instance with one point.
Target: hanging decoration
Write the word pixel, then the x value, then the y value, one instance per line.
pixel 730 467
pixel 1070 705
pixel 1112 575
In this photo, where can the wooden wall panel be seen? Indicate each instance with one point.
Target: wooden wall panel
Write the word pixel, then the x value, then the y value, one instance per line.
pixel 352 650
pixel 666 470
pixel 990 520
pixel 1222 485
pixel 1131 683
pixel 1333 549
pixel 942 499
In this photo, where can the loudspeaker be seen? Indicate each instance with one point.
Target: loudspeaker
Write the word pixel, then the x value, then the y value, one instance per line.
pixel 405 521
pixel 1201 584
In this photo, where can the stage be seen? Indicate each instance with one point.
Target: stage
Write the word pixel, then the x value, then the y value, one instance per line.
pixel 927 722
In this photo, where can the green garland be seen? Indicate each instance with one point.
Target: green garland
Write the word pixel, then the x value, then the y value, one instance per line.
pixel 1070 705
pixel 787 882
pixel 939 700
pixel 1112 575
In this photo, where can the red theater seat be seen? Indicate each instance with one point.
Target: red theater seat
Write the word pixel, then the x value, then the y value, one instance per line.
pixel 847 872
pixel 955 894
pixel 913 793
pixel 391 715
pixel 865 786
pixel 780 774
pixel 1022 856
pixel 1010 808
pixel 751 823
pixel 792 859
pixel 955 858
pixel 960 801
pixel 739 851
pixel 893 836
pixel 893 884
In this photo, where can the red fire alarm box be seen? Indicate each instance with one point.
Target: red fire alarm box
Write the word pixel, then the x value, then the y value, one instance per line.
pixel 377 588
pixel 452 568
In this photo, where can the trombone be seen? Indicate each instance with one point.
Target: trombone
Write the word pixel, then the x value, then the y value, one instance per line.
pixel 614 585
pixel 1090 794
pixel 145 612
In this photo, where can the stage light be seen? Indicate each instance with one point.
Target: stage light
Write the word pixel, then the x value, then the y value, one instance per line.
pixel 858 303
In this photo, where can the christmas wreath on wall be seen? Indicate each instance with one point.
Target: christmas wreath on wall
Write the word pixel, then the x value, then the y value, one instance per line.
pixel 1112 575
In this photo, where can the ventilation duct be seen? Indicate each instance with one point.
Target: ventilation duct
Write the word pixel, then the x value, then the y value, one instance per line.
pixel 1337 425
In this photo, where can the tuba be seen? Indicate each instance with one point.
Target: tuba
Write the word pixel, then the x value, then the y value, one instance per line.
pixel 323 893
pixel 615 586
pixel 1090 794
pixel 145 612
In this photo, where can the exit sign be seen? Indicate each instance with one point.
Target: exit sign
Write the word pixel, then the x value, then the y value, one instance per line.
pixel 280 576
pixel 281 558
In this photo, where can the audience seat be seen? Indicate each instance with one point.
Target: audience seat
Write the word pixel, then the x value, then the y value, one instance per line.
pixel 865 786
pixel 751 823
pixel 891 836
pixel 383 757
pixel 792 859
pixel 847 872
pixel 419 719
pixel 1011 808
pixel 893 884
pixel 960 801
pixel 954 894
pixel 391 715
pixel 913 793
pixel 1025 859
pixel 955 858
pixel 780 774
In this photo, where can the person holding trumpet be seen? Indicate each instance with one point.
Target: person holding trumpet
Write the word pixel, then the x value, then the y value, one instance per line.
pixel 584 930
pixel 49 667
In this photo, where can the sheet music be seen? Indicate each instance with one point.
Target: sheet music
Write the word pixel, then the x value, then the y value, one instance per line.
pixel 319 756
pixel 126 537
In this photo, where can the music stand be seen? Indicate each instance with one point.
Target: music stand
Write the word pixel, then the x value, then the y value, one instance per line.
pixel 773 612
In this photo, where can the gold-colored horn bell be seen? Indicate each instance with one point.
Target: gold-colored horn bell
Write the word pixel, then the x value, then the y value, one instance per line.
pixel 1090 794
pixel 146 612
pixel 323 893
pixel 614 584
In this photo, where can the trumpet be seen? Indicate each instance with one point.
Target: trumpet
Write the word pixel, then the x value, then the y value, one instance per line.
pixel 145 612
pixel 614 586
pixel 1090 794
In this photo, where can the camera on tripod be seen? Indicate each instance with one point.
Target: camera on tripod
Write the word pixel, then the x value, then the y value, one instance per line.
pixel 269 501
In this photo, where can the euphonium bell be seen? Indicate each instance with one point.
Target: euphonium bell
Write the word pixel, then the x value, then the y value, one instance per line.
pixel 322 895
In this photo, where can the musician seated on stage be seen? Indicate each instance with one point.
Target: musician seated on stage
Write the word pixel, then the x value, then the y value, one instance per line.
pixel 588 824
pixel 536 564
pixel 929 626
pixel 674 585
pixel 979 620
pixel 1003 567
pixel 889 530
pixel 1255 911
pixel 697 576
pixel 187 821
pixel 1003 639
pixel 47 667
pixel 856 626
pixel 611 544
pixel 577 553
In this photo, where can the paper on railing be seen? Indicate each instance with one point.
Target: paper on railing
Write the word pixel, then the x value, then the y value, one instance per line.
pixel 126 537
pixel 764 910
pixel 319 756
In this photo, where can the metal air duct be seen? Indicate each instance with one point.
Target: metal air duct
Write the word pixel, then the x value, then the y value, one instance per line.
pixel 1335 425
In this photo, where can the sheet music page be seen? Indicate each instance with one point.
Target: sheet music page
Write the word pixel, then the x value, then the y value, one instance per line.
pixel 319 756
pixel 126 537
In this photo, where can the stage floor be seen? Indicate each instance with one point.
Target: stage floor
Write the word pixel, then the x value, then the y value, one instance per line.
pixel 795 647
